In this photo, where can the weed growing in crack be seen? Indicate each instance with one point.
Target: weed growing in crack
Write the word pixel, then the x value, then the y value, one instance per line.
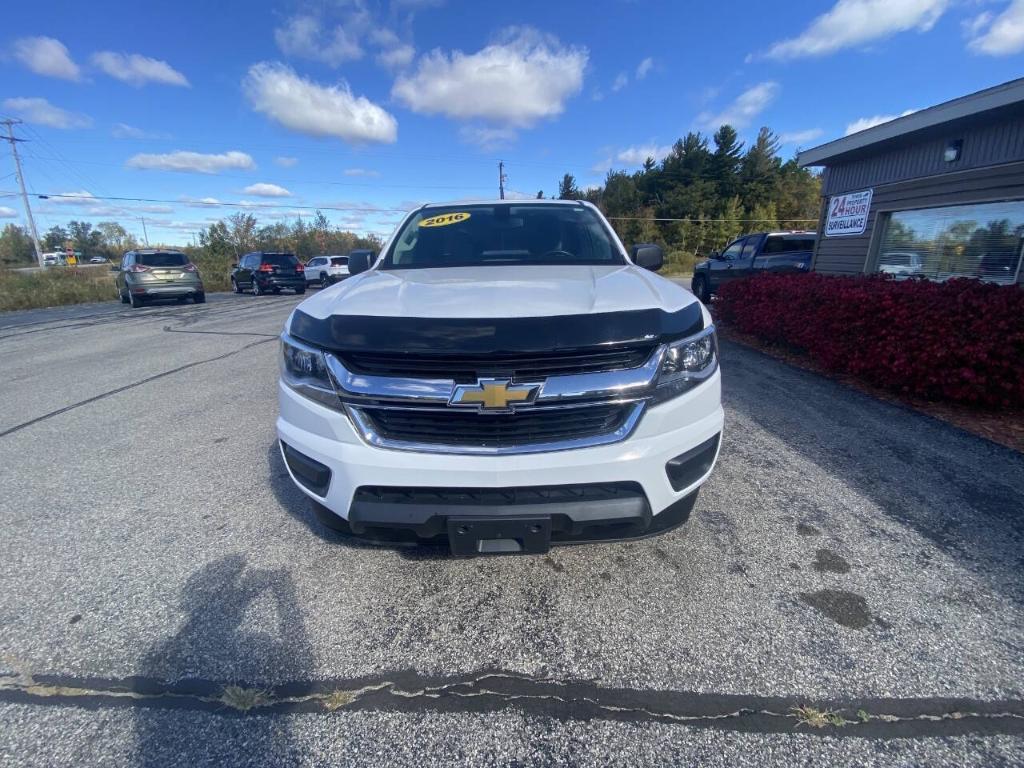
pixel 244 699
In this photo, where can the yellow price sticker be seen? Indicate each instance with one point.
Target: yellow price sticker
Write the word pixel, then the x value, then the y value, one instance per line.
pixel 444 219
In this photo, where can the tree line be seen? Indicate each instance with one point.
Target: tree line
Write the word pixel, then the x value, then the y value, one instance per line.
pixel 223 240
pixel 713 190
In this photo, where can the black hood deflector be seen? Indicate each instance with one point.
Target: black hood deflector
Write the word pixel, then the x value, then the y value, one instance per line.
pixel 473 336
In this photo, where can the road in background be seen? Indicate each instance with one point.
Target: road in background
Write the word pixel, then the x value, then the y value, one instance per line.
pixel 846 553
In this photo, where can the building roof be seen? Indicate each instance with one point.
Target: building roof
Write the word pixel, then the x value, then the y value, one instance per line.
pixel 972 105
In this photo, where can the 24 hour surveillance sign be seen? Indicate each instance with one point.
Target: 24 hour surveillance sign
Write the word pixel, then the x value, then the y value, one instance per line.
pixel 848 214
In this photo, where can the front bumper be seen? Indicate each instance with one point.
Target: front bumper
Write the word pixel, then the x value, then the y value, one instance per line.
pixel 664 433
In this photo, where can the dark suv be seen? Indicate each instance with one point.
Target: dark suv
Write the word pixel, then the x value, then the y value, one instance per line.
pixel 150 273
pixel 262 272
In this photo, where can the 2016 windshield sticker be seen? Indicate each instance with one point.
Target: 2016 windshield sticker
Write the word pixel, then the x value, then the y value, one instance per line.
pixel 444 219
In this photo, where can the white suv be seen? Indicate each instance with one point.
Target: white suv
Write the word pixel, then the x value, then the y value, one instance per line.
pixel 326 270
pixel 505 378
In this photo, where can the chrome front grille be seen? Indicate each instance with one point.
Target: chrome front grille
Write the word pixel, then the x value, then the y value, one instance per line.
pixel 424 413
pixel 498 430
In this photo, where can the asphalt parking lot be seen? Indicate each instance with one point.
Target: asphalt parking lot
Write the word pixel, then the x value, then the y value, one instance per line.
pixel 159 574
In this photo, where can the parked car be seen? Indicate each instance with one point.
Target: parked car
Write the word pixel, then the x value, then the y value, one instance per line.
pixel 775 252
pixel 504 377
pixel 263 272
pixel 151 273
pixel 53 259
pixel 901 263
pixel 97 260
pixel 326 270
pixel 999 267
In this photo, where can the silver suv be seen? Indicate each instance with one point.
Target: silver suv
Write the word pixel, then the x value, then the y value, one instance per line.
pixel 148 274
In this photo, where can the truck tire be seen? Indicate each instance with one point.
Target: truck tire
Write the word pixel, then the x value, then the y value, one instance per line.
pixel 700 288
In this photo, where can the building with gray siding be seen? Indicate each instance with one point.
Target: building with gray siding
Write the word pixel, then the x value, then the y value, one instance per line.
pixel 938 193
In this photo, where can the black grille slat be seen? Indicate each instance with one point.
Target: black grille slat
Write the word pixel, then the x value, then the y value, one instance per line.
pixel 518 367
pixel 454 427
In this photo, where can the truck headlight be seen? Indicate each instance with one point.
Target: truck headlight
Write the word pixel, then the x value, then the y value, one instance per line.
pixel 304 369
pixel 686 364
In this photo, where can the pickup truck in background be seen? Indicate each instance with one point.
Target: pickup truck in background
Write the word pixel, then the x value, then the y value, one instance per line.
pixel 773 252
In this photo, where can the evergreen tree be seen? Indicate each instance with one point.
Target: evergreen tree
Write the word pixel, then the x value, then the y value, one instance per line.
pixel 567 189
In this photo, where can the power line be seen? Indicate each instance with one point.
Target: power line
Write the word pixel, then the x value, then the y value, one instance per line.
pixel 208 204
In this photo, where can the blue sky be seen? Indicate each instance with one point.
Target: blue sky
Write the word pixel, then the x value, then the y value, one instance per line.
pixel 368 107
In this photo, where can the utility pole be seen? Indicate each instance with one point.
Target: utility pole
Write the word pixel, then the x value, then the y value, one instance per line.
pixel 21 183
pixel 144 235
pixel 502 178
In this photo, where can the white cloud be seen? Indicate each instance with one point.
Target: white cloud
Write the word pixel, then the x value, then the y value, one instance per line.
pixel 317 110
pixel 304 37
pixel 193 162
pixel 41 112
pixel 125 131
pixel 487 137
pixel 201 202
pixel 644 67
pixel 523 77
pixel 286 162
pixel 81 197
pixel 361 172
pixel 856 22
pixel 263 189
pixel 631 156
pixel 394 54
pixel 799 137
pixel 137 69
pixel 46 56
pixel 7 213
pixel 398 57
pixel 864 123
pixel 621 81
pixel 745 108
pixel 1003 35
pixel 638 154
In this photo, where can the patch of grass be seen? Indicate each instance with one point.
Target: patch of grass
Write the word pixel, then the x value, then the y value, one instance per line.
pixel 863 716
pixel 244 699
pixel 55 286
pixel 817 718
pixel 337 699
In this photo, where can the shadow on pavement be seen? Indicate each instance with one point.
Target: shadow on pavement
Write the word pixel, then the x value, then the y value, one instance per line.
pixel 246 625
pixel 299 506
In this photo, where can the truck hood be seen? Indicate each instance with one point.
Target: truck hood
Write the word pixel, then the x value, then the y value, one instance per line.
pixel 498 292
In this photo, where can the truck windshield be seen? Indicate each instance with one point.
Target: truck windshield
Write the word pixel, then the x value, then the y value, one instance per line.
pixel 502 234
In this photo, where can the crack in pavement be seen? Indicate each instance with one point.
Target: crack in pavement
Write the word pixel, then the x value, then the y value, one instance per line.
pixel 118 390
pixel 879 718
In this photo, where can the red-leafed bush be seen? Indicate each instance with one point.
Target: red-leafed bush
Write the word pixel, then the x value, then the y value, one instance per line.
pixel 958 341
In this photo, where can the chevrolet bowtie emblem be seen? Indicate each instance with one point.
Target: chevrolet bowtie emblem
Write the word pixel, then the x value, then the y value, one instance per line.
pixel 494 394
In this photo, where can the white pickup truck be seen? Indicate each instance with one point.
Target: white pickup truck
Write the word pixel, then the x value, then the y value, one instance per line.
pixel 504 377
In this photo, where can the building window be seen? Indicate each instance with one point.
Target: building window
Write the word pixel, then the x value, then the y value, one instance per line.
pixel 982 240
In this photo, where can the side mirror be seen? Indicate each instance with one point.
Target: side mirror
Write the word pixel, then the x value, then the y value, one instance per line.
pixel 648 256
pixel 115 268
pixel 715 255
pixel 235 265
pixel 359 262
